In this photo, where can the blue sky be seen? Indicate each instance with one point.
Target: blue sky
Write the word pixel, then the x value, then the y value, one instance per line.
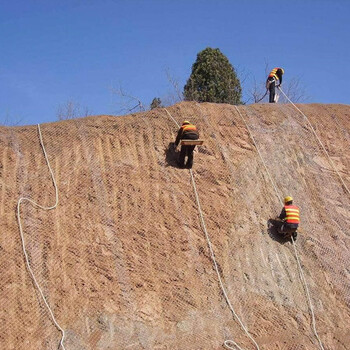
pixel 55 51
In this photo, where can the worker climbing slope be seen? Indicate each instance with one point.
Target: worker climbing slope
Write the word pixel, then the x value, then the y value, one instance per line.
pixel 187 131
pixel 274 77
pixel 290 219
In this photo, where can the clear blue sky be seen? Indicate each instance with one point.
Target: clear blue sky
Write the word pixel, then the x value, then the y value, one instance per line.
pixel 53 51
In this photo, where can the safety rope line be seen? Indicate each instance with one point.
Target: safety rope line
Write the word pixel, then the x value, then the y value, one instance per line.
pixel 177 124
pixel 22 199
pixel 301 273
pixel 227 343
pixel 253 139
pixel 318 139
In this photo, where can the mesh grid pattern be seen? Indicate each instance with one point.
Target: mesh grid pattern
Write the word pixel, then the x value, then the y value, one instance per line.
pixel 123 260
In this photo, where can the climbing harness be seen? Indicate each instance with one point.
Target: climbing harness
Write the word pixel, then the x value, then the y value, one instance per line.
pixel 318 139
pixel 301 273
pixel 229 344
pixel 22 199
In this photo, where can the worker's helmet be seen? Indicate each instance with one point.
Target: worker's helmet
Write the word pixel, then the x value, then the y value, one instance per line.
pixel 185 122
pixel 288 199
pixel 282 70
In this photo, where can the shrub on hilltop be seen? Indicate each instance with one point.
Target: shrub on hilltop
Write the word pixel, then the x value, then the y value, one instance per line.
pixel 213 79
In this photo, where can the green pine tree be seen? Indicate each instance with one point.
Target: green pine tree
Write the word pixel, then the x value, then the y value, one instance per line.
pixel 213 79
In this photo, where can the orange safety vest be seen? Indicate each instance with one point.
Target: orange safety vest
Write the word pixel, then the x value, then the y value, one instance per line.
pixel 273 73
pixel 188 127
pixel 292 212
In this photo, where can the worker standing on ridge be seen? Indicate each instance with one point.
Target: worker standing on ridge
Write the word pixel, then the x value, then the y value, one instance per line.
pixel 274 76
pixel 187 131
pixel 290 217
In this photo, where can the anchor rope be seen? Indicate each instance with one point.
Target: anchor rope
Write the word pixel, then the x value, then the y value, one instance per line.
pixel 227 343
pixel 318 139
pixel 301 273
pixel 35 204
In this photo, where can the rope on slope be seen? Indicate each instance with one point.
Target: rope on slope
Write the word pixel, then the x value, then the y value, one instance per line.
pixel 227 343
pixel 177 124
pixel 301 273
pixel 22 199
pixel 318 139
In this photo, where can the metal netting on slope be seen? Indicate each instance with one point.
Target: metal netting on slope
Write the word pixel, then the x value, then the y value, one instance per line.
pixel 330 258
pixel 269 257
pixel 19 299
pixel 259 258
pixel 304 171
pixel 123 258
pixel 326 204
pixel 98 258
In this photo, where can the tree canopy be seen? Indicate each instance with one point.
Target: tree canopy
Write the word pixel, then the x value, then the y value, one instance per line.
pixel 213 79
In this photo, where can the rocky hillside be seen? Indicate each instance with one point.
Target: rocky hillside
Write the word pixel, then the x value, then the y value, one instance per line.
pixel 123 259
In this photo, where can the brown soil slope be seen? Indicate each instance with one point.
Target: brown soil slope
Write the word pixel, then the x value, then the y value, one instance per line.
pixel 123 259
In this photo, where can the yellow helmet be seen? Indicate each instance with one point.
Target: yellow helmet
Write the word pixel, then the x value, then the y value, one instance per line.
pixel 185 122
pixel 287 199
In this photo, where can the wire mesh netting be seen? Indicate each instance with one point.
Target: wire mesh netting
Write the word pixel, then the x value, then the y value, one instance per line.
pixel 123 260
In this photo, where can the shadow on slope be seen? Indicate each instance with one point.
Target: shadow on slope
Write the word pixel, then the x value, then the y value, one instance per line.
pixel 171 155
pixel 272 229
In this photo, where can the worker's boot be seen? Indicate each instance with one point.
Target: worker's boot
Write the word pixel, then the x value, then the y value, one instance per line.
pixel 180 165
pixel 189 164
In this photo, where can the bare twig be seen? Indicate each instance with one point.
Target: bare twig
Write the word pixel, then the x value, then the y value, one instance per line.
pixel 243 76
pixel 11 121
pixel 176 95
pixel 71 110
pixel 294 90
pixel 127 101
pixel 175 84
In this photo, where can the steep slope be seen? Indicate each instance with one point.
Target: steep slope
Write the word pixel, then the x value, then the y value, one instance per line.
pixel 123 259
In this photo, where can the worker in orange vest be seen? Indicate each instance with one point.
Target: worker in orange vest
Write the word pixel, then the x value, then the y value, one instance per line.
pixel 274 77
pixel 187 131
pixel 291 218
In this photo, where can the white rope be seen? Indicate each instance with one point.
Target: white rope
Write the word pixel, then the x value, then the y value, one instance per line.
pixel 253 139
pixel 302 277
pixel 22 199
pixel 227 343
pixel 177 124
pixel 307 295
pixel 318 139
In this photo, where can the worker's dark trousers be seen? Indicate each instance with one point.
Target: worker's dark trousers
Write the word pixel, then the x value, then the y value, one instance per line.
pixel 272 89
pixel 186 151
pixel 288 228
